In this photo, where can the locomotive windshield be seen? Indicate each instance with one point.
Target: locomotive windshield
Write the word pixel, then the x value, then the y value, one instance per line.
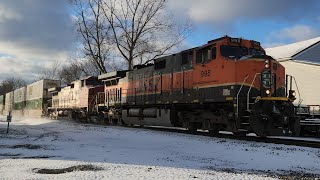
pixel 256 52
pixel 234 52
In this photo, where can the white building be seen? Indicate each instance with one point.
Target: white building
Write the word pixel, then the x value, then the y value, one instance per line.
pixel 302 60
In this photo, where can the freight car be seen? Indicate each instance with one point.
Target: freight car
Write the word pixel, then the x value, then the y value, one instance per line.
pixel 2 101
pixel 31 100
pixel 37 97
pixel 227 84
pixel 77 100
pixel 8 105
pixel 19 101
pixel 310 118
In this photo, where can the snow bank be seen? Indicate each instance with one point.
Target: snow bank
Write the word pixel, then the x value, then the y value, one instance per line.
pixel 131 153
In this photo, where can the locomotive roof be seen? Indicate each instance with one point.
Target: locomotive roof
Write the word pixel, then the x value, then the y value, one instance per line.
pixel 209 43
pixel 54 89
pixel 88 77
pixel 111 75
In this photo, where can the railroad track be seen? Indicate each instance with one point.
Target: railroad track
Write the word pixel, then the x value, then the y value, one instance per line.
pixel 302 142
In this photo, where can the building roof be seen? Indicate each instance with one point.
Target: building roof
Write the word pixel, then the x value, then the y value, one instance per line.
pixel 287 52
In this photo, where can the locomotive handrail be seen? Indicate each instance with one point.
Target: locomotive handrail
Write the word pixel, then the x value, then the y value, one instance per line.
pixel 295 82
pixel 248 94
pixel 239 93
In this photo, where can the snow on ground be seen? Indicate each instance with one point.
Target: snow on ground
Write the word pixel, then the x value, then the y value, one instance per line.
pixel 133 153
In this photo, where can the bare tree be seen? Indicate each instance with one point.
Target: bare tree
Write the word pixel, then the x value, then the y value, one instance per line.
pixel 51 72
pixel 94 32
pixel 70 73
pixel 141 29
pixel 11 84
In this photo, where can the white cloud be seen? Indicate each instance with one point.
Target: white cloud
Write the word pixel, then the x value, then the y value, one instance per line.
pixel 7 14
pixel 223 14
pixel 33 34
pixel 25 62
pixel 298 32
pixel 270 45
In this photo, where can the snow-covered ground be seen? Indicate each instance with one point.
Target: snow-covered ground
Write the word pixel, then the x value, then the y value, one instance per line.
pixel 132 153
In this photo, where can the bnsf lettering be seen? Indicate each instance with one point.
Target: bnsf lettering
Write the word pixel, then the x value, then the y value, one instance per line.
pixel 205 73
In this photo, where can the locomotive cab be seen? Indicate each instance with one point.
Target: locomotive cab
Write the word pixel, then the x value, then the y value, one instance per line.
pixel 269 109
pixel 262 93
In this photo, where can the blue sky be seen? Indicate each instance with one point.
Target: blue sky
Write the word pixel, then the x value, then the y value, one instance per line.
pixel 272 22
pixel 36 33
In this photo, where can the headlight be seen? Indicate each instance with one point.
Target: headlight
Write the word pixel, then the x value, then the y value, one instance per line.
pixel 268 92
pixel 266 64
pixel 292 94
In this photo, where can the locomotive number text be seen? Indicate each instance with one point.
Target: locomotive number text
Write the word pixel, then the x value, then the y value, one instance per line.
pixel 205 73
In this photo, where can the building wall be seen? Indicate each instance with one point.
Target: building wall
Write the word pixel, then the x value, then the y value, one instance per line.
pixel 308 80
pixel 312 54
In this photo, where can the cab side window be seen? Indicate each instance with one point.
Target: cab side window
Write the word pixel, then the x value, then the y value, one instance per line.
pixel 214 53
pixel 187 58
pixel 160 65
pixel 203 55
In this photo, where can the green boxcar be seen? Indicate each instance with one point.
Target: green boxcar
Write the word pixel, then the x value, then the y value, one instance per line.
pixel 34 104
pixel 19 101
pixel 1 100
pixel 37 93
pixel 1 104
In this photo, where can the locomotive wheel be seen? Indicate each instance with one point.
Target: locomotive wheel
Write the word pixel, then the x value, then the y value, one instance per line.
pixel 192 128
pixel 240 133
pixel 114 121
pixel 295 127
pixel 122 123
pixel 259 123
pixel 214 129
pixel 73 115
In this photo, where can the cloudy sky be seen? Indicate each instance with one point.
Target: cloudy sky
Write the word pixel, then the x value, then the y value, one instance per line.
pixel 35 33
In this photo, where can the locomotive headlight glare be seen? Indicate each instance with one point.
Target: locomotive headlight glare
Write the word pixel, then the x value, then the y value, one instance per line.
pixel 266 61
pixel 268 92
pixel 293 93
pixel 266 66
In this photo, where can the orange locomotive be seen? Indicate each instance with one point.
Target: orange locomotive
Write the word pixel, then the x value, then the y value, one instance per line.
pixel 227 84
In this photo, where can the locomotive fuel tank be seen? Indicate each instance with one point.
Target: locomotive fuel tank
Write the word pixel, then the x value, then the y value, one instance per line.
pixel 148 116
